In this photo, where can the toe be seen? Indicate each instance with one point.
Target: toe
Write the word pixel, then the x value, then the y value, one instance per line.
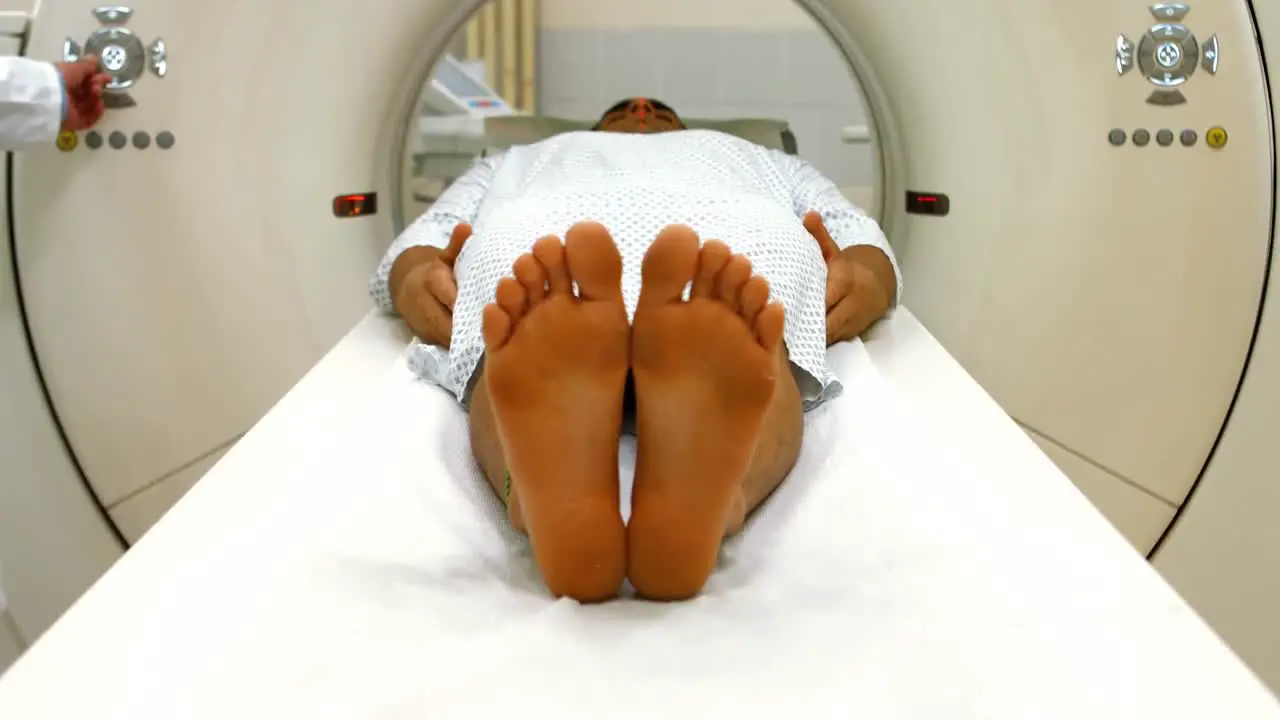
pixel 593 261
pixel 753 298
pixel 769 325
pixel 549 252
pixel 734 276
pixel 529 273
pixel 711 260
pixel 669 264
pixel 511 298
pixel 496 326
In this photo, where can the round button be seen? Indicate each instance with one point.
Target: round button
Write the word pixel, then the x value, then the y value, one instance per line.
pixel 164 139
pixel 1164 138
pixel 120 54
pixel 1116 137
pixel 117 140
pixel 141 140
pixel 1188 137
pixel 1168 55
pixel 1162 58
pixel 1215 137
pixel 1141 138
pixel 93 139
pixel 67 141
pixel 114 58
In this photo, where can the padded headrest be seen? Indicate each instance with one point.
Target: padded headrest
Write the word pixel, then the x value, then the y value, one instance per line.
pixel 503 131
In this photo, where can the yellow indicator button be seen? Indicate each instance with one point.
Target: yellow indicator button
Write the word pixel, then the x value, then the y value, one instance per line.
pixel 1216 138
pixel 67 141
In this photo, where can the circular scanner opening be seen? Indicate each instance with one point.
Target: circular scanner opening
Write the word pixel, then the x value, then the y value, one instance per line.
pixel 561 64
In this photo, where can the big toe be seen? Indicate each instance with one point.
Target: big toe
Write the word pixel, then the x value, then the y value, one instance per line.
pixel 594 262
pixel 669 264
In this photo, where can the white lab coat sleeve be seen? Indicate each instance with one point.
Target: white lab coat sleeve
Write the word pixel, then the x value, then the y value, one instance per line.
pixel 460 203
pixel 848 225
pixel 32 103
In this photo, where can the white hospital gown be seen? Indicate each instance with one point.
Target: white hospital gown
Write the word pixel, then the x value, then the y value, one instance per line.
pixel 751 198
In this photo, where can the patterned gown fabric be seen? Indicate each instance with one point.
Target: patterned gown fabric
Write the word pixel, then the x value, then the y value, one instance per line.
pixel 751 198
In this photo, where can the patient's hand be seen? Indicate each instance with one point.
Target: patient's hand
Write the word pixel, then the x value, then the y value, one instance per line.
pixel 818 230
pixel 860 283
pixel 425 298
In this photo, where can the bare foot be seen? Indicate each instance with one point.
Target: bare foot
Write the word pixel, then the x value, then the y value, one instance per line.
pixel 705 371
pixel 555 368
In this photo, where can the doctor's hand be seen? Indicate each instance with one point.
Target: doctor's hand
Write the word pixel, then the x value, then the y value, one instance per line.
pixel 426 295
pixel 84 81
pixel 856 296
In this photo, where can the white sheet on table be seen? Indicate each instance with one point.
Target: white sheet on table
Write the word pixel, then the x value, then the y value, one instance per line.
pixel 870 586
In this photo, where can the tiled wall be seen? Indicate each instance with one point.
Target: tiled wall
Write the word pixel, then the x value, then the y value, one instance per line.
pixel 766 14
pixel 792 73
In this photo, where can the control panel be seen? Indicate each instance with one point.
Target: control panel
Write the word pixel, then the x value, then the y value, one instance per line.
pixel 122 54
pixel 1166 56
pixel 125 59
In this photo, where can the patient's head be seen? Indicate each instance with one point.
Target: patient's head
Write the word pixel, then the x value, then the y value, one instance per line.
pixel 639 115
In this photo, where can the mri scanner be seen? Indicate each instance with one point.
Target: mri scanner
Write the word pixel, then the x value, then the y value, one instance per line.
pixel 1082 196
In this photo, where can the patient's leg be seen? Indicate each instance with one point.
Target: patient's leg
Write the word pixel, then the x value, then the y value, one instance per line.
pixel 555 368
pixel 718 414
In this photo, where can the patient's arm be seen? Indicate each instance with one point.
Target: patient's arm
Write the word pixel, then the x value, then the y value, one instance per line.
pixel 858 239
pixel 424 238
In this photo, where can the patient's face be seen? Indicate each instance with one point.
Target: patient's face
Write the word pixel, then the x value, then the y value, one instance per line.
pixel 640 115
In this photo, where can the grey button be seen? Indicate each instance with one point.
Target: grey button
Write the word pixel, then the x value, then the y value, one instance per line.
pixel 158 58
pixel 1141 138
pixel 1170 12
pixel 1164 138
pixel 1124 55
pixel 120 53
pixel 1166 97
pixel 70 50
pixel 1188 137
pixel 113 15
pixel 118 100
pixel 1170 31
pixel 1209 57
pixel 1168 54
pixel 141 140
pixel 1116 137
pixel 117 140
pixel 93 139
pixel 164 139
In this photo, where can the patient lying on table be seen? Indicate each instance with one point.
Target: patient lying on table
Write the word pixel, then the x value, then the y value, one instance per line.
pixel 709 351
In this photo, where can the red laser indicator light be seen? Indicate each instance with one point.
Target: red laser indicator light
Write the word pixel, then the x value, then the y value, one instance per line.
pixel 356 205
pixel 928 203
